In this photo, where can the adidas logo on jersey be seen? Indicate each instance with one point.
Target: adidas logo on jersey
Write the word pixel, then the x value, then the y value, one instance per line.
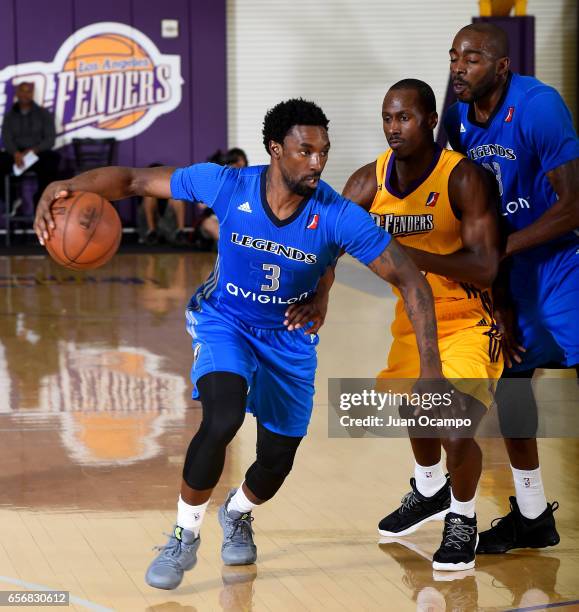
pixel 245 207
pixel 462 128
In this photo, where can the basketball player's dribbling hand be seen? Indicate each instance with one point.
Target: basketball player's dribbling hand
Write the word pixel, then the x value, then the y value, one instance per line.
pixel 505 318
pixel 43 221
pixel 314 310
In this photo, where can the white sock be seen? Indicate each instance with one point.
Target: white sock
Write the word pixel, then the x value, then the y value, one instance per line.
pixel 465 508
pixel 429 479
pixel 530 492
pixel 190 517
pixel 239 502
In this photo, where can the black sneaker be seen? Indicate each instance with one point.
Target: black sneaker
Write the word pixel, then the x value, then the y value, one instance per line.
pixel 180 239
pixel 416 509
pixel 459 540
pixel 516 531
pixel 151 238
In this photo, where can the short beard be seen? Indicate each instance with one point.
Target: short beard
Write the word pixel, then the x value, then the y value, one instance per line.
pixel 481 91
pixel 297 187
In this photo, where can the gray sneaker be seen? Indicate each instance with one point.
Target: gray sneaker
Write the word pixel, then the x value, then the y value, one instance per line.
pixel 238 547
pixel 175 558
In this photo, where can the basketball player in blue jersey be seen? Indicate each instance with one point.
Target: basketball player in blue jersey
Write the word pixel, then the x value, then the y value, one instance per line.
pixel 521 130
pixel 281 228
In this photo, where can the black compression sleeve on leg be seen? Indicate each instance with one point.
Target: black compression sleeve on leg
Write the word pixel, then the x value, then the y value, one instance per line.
pixel 516 405
pixel 223 398
pixel 275 458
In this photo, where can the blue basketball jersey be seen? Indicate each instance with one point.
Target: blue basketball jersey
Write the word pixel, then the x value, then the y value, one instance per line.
pixel 265 264
pixel 529 134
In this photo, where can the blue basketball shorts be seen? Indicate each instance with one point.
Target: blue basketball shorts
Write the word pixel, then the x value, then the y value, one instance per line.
pixel 545 293
pixel 278 365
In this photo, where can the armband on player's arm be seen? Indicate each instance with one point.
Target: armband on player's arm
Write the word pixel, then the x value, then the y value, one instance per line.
pixel 396 267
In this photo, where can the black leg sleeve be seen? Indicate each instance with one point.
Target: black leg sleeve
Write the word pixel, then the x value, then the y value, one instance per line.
pixel 223 398
pixel 275 458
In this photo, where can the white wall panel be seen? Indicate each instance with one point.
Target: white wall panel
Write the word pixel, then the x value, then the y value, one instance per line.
pixel 344 54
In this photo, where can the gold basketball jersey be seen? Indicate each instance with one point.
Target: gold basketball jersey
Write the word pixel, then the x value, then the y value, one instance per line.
pixel 423 218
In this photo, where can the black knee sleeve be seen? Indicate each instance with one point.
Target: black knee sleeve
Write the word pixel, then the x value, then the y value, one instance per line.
pixel 223 398
pixel 516 405
pixel 275 458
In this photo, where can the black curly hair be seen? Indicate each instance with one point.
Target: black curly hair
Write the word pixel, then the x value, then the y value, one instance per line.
pixel 280 119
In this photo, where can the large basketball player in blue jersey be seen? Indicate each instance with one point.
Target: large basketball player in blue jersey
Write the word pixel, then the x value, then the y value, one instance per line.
pixel 280 229
pixel 521 130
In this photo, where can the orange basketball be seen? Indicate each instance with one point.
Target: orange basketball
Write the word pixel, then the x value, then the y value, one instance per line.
pixel 88 231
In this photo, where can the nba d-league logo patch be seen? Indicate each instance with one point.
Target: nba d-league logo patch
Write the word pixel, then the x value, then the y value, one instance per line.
pixel 432 199
pixel 313 223
pixel 196 352
pixel 510 114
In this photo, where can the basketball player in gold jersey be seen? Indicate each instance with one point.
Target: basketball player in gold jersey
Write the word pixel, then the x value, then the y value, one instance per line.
pixel 439 205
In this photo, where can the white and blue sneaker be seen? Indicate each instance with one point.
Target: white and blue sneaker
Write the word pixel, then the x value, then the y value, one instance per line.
pixel 238 547
pixel 174 559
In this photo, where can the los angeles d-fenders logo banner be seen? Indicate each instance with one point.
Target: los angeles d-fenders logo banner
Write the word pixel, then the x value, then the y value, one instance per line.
pixel 106 80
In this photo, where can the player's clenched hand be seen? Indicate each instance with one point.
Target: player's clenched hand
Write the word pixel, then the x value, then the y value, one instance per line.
pixel 314 310
pixel 505 318
pixel 43 221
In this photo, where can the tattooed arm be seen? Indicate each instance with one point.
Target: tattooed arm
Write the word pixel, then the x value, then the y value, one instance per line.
pixel 396 267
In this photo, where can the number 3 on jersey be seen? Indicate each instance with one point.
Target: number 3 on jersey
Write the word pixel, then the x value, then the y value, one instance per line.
pixel 273 277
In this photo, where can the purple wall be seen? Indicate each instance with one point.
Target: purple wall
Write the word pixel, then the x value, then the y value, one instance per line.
pixel 33 30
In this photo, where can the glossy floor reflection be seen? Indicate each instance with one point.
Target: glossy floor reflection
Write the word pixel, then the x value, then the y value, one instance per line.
pixel 95 417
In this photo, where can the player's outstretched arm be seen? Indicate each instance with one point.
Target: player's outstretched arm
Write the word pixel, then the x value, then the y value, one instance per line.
pixel 396 267
pixel 113 183
pixel 472 197
pixel 559 219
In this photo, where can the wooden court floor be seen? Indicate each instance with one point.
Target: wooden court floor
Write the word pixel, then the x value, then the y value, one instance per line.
pixel 95 418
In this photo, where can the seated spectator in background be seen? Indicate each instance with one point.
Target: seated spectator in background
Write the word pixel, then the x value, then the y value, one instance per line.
pixel 236 158
pixel 205 221
pixel 164 219
pixel 152 216
pixel 29 127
